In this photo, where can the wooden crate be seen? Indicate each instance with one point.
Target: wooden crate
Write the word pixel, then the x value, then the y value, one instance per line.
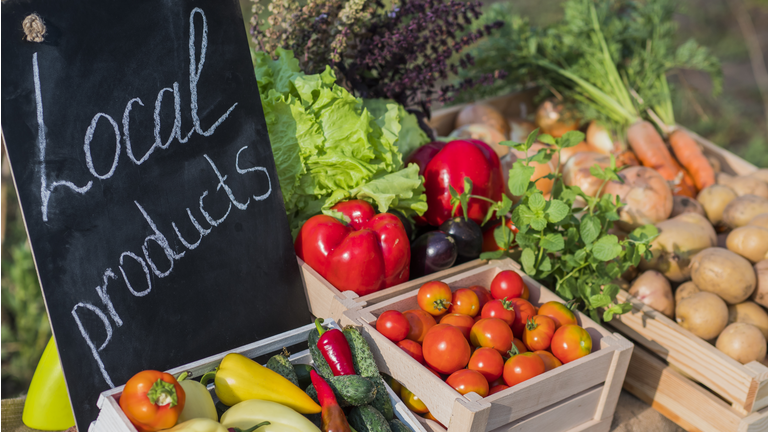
pixel 578 396
pixel 671 376
pixel 325 300
pixel 112 419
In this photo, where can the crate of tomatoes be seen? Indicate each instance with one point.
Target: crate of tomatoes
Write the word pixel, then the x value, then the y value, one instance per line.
pixel 492 348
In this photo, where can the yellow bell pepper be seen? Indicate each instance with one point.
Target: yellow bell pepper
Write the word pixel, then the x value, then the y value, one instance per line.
pixel 47 405
pixel 198 403
pixel 280 417
pixel 208 425
pixel 240 379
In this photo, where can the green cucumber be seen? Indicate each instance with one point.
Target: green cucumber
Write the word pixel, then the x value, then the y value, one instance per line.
pixel 398 426
pixel 302 373
pixel 368 419
pixel 280 364
pixel 365 365
pixel 317 357
pixel 350 390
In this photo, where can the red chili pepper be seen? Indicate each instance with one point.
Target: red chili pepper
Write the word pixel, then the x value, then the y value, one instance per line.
pixel 335 349
pixel 333 416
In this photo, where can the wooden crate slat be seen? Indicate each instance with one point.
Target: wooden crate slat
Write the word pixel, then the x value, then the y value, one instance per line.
pixel 575 410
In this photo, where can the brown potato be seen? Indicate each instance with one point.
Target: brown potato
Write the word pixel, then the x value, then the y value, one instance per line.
pixel 742 342
pixel 714 199
pixel 484 114
pixel 751 242
pixel 679 240
pixel 750 313
pixel 683 204
pixel 576 171
pixel 646 197
pixel 760 220
pixel 744 185
pixel 685 290
pixel 760 296
pixel 703 314
pixel 743 209
pixel 724 273
pixel 653 289
pixel 484 133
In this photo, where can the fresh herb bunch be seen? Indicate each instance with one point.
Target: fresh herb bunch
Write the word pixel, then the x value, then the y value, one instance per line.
pixel 562 244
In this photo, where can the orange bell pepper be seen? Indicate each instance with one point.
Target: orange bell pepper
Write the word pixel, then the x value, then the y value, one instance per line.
pixel 152 400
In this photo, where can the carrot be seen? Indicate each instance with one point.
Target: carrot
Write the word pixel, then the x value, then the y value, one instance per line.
pixel 690 156
pixel 652 152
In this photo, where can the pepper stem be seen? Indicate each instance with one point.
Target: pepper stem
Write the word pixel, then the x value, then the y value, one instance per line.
pixel 236 429
pixel 319 325
pixel 163 393
pixel 182 376
pixel 207 377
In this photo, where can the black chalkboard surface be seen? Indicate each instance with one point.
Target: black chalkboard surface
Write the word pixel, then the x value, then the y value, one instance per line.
pixel 143 166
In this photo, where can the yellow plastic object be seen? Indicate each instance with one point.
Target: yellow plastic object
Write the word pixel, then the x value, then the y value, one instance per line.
pixel 47 406
pixel 240 379
pixel 254 411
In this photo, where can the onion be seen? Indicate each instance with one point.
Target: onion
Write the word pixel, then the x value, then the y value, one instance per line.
pixel 646 195
pixel 552 120
pixel 520 129
pixel 567 153
pixel 484 133
pixel 484 114
pixel 602 140
pixel 576 171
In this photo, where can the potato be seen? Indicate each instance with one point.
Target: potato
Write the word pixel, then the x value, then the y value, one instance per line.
pixel 484 114
pixel 761 174
pixel 544 185
pixel 744 185
pixel 760 220
pixel 653 289
pixel 576 171
pixel 553 120
pixel 646 197
pixel 679 240
pixel 703 314
pixel 484 133
pixel 683 204
pixel 743 209
pixel 724 273
pixel 751 242
pixel 760 296
pixel 714 199
pixel 742 342
pixel 686 290
pixel 750 313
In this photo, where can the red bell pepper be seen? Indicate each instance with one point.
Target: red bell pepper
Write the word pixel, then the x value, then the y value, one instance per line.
pixel 333 417
pixel 335 349
pixel 448 167
pixel 370 253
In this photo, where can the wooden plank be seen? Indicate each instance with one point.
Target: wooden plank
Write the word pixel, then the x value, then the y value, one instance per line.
pixel 615 377
pixel 325 301
pixel 469 415
pixel 759 397
pixel 575 413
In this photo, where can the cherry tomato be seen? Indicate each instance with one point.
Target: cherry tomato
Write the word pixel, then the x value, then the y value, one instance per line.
pixel 412 401
pixel 420 322
pixel 465 301
pixel 413 349
pixel 526 292
pixel 445 349
pixel 497 381
pixel 489 241
pixel 429 416
pixel 570 343
pixel 462 322
pixel 483 295
pixel 393 325
pixel 518 347
pixel 550 361
pixel 522 367
pixel 492 333
pixel 497 388
pixel 465 381
pixel 501 309
pixel 507 284
pixel 477 318
pixel 488 362
pixel 538 332
pixel 559 313
pixel 523 310
pixel 434 297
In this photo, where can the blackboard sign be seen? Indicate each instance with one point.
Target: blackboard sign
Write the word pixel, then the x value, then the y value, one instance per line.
pixel 141 158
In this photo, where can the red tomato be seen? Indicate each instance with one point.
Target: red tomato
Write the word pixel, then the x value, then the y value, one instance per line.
pixel 413 349
pixel 488 362
pixel 429 416
pixel 559 313
pixel 465 301
pixel 465 381
pixel 489 240
pixel 393 325
pixel 550 361
pixel 436 373
pixel 420 322
pixel 523 310
pixel 501 309
pixel 434 297
pixel 522 367
pixel 518 345
pixel 445 349
pixel 462 322
pixel 538 332
pixel 570 343
pixel 412 401
pixel 497 388
pixel 526 292
pixel 483 295
pixel 492 333
pixel 507 284
pixel 497 381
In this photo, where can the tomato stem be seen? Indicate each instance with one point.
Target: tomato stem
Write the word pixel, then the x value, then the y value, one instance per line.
pixel 513 351
pixel 531 325
pixel 442 304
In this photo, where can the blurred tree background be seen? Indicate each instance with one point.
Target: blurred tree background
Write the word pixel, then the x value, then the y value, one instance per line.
pixel 736 30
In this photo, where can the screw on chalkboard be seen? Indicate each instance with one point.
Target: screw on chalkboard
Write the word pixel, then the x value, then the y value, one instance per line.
pixel 34 28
